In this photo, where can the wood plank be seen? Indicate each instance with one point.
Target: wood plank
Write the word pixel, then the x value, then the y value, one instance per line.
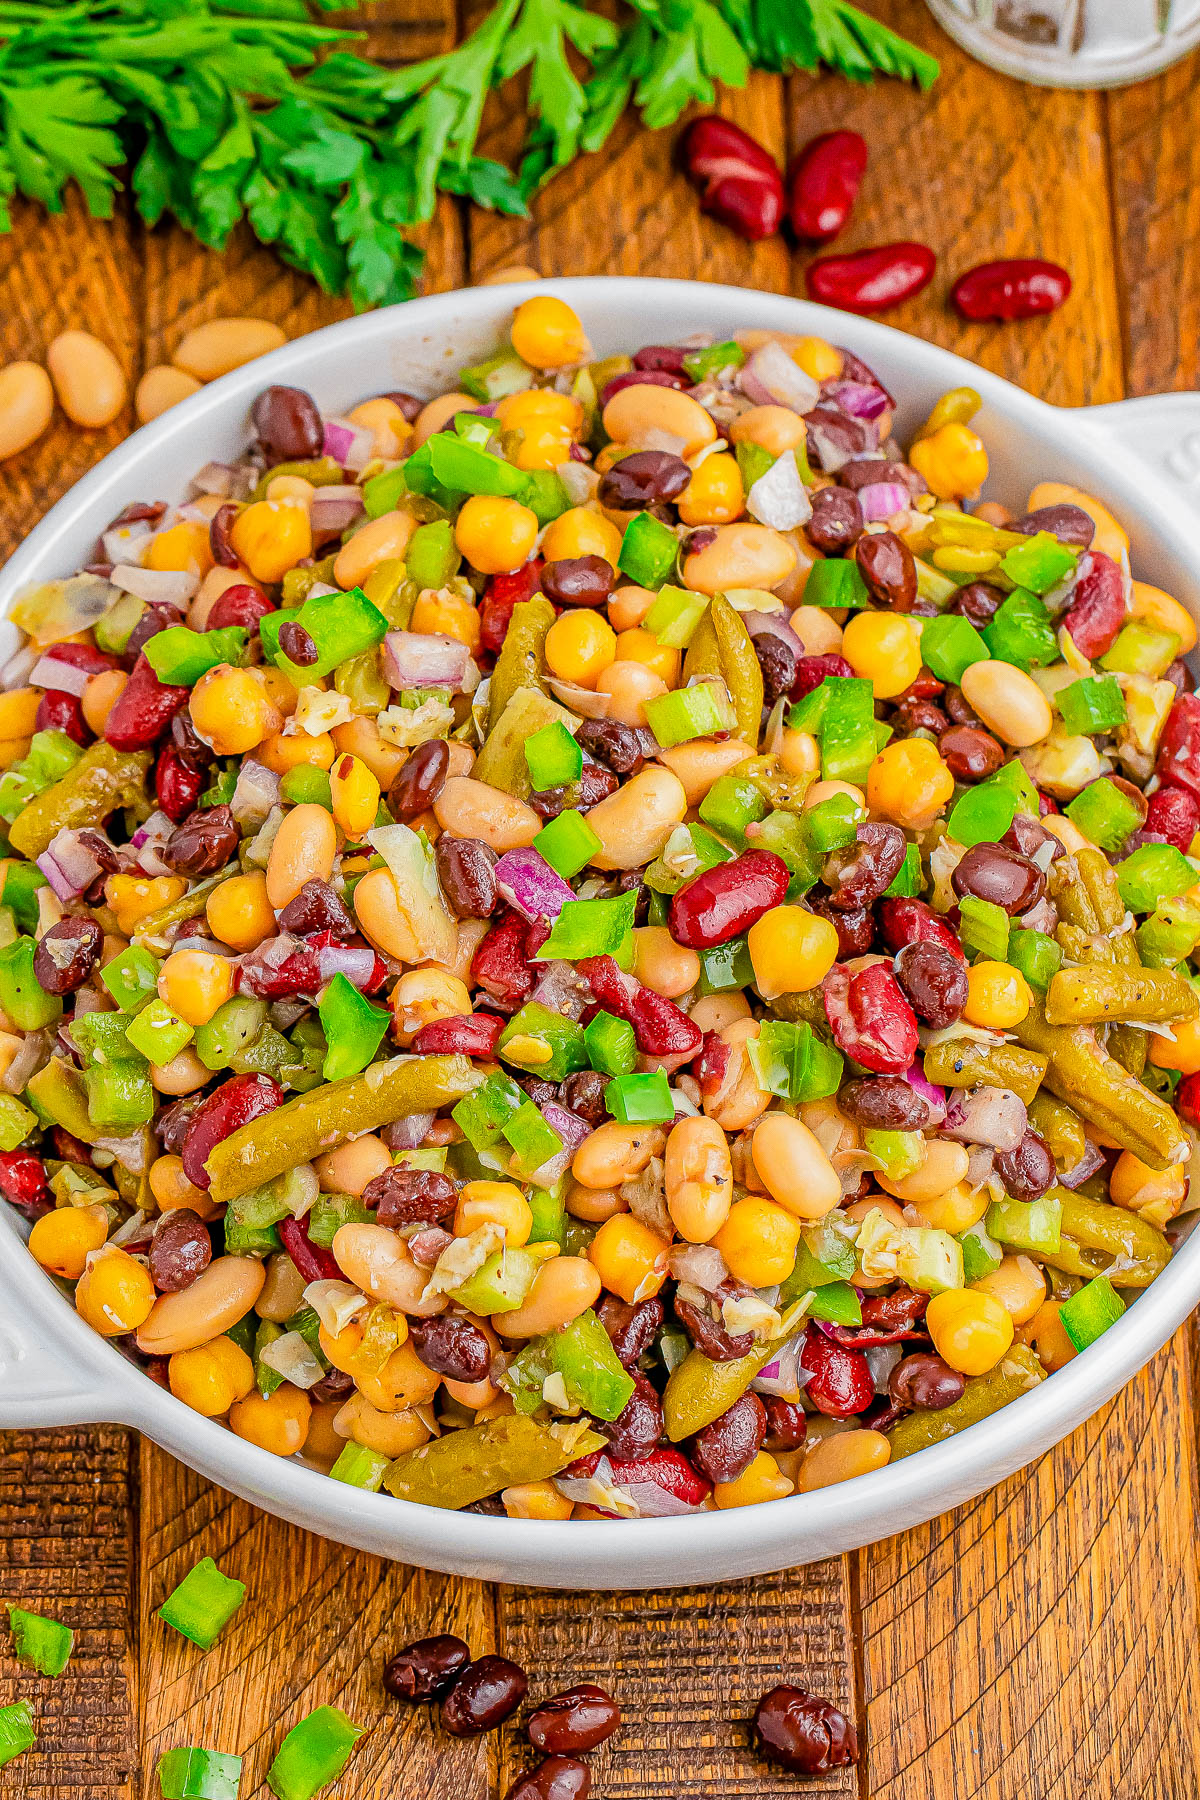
pixel 687 1667
pixel 978 168
pixel 1155 163
pixel 66 1550
pixel 318 1625
pixel 1049 1628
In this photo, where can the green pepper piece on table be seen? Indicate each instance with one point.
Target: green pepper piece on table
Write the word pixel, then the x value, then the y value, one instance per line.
pixel 464 1466
pixel 16 1731
pixel 189 1773
pixel 313 1754
pixel 100 782
pixel 203 1603
pixel 43 1644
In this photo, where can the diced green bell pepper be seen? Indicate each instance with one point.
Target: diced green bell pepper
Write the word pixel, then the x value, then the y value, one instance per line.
pixel 22 995
pixel 354 1029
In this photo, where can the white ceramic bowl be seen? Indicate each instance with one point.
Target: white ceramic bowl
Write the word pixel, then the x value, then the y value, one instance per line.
pixel 1141 456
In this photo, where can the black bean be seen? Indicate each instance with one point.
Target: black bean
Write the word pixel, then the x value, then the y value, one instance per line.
pixel 961 711
pixel 1028 1170
pixel 297 644
pixel 1070 524
pixel 153 619
pixel 803 1732
pixel 583 1094
pixel 970 753
pixel 420 781
pixel 884 1103
pixel 847 435
pixel 575 1721
pixel 556 1778
pixel 925 1383
pixel 631 1328
pixel 886 564
pixel 410 1196
pixel 451 1347
pixel 777 660
pixel 411 405
pixel 637 1429
pixel 288 424
pixel 489 1692
pixel 935 982
pixel 918 715
pixel 855 928
pixel 426 1670
pixel 1004 877
pixel 171 1125
pixel 466 869
pixel 708 1336
pixel 977 601
pixel 578 580
pixel 218 535
pixel 858 873
pixel 179 1250
pixel 614 744
pixel 204 843
pixel 725 1449
pixel 67 954
pixel 639 480
pixel 317 908
pixel 787 1423
pixel 837 520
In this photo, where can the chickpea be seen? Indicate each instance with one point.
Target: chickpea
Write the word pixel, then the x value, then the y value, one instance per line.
pixel 1019 1284
pixel 496 535
pixel 1157 1195
pixel 628 606
pixel 699 1179
pixel 547 334
pixel 391 1434
pixel 634 824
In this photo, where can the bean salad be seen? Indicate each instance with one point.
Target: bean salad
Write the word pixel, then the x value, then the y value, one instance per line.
pixel 607 944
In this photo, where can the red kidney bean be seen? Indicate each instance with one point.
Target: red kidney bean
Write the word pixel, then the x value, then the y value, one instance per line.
pixel 314 1262
pixel 925 1383
pixel 595 783
pixel 1017 288
pixel 804 1733
pixel 502 593
pixel 555 1778
pixel 1002 876
pixel 777 660
pixel 918 715
pixel 203 843
pixel 262 975
pixel 154 618
pixel 466 870
pixel 639 378
pixel 501 963
pixel 451 1347
pixel 1028 1171
pixel 578 581
pixel 426 1670
pixel 288 424
pixel 886 1319
pixel 1173 814
pixel 143 710
pixel 1187 1099
pixel 787 1423
pixel 234 1104
pixel 1180 676
pixel 725 901
pixel 837 520
pixel 668 1469
pixel 857 874
pixel 855 929
pixel 838 430
pixel 823 181
pixel 82 656
pixel 420 781
pixel 573 1722
pixel 977 601
pixel 616 745
pixel 970 753
pixel 180 1250
pixel 170 1125
pixel 220 525
pixel 841 1383
pixel 59 711
pixel 317 908
pixel 740 182
pixel 23 1183
pixel 67 954
pixel 661 356
pixel 239 605
pixel 634 1434
pixel 178 783
pixel 935 982
pixel 1070 524
pixel 913 922
pixel 485 1694
pixel 889 570
pixel 725 1449
pixel 662 1029
pixel 869 281
pixel 884 1103
pixel 811 671
pixel 1178 762
pixel 410 1196
pixel 631 1328
pixel 1097 609
pixel 707 1335
pixel 924 686
pixel 870 1018
pixel 466 1034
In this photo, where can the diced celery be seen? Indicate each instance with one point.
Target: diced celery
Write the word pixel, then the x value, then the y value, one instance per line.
pixel 1026 1224
pixel 981 1254
pixel 983 928
pixel 1087 1314
pixel 1104 813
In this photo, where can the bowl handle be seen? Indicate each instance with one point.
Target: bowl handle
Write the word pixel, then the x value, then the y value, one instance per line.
pixel 1163 430
pixel 42 1382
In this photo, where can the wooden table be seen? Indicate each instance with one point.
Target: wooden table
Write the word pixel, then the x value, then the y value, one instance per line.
pixel 1039 1644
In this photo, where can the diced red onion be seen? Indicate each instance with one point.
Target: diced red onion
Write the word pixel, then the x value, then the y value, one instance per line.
pixel 981 1160
pixel 563 990
pixel 130 1152
pixel 34 1052
pixel 831 454
pixel 702 1265
pixel 579 479
pixel 858 399
pixel 572 1130
pixel 881 1360
pixel 584 701
pixel 992 1116
pixel 653 1501
pixel 333 508
pixel 1091 1160
pixel 164 587
pixel 531 886
pixel 68 864
pixel 765 624
pixel 771 378
pixel 17 669
pixel 255 793
pixel 425 1247
pixel 934 1097
pixel 407 1133
pixel 320 588
pixel 49 673
pixel 215 478
pixel 783 1375
pixel 148 841
pixel 420 659
pixel 882 499
pixel 356 964
pixel 778 498
pixel 120 540
pixel 348 444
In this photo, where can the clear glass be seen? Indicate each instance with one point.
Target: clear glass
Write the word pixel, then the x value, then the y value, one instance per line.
pixel 1073 43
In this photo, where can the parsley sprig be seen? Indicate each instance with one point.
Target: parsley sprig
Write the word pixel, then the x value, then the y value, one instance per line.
pixel 224 110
